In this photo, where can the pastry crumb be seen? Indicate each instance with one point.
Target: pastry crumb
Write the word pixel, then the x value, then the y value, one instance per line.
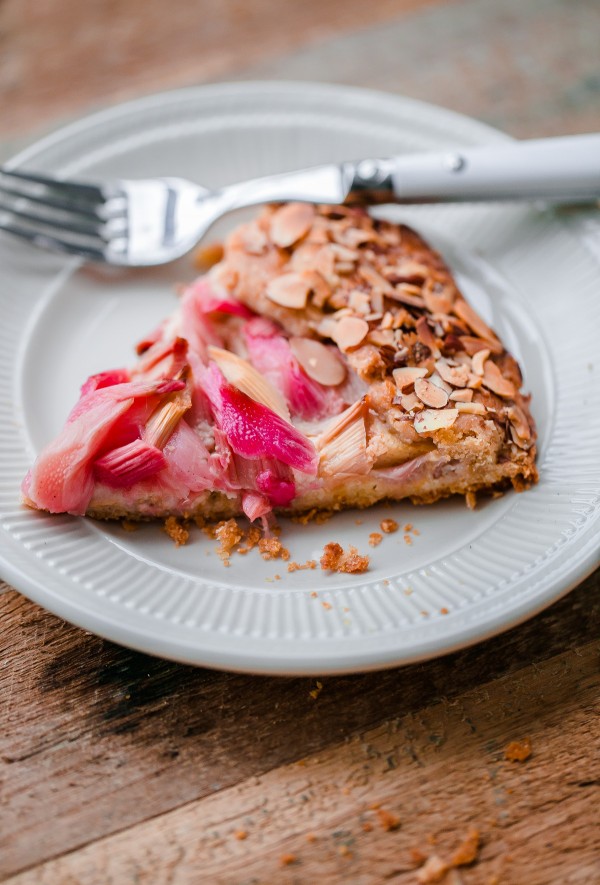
pixel 433 870
pixel 251 539
pixel 334 559
pixel 315 515
pixel 375 538
pixel 286 859
pixel 387 820
pixel 408 540
pixel 388 526
pixel 518 751
pixel 176 531
pixel 297 567
pixel 206 256
pixel 471 500
pixel 228 534
pixel 467 851
pixel 241 835
pixel 315 692
pixel 129 526
pixel 272 548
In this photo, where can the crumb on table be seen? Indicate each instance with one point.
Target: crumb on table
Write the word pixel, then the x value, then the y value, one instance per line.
pixel 375 538
pixel 518 751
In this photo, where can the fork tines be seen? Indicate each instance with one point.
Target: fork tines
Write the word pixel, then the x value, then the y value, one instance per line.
pixel 73 217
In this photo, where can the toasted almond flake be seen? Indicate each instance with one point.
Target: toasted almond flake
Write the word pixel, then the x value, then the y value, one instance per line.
pixel 290 223
pixel 246 378
pixel 375 279
pixel 319 288
pixel 519 422
pixel 465 312
pixel 471 408
pixel 382 337
pixel 436 379
pixel 475 381
pixel 462 396
pixel 407 270
pixel 479 359
pixel 495 381
pixel 358 302
pixel 410 402
pixel 349 332
pixel 426 336
pixel 343 447
pixel 473 345
pixel 407 375
pixel 289 290
pixel 430 420
pixel 438 301
pixel 455 375
pixel 404 293
pixel 387 320
pixel 318 361
pixel 254 239
pixel 343 253
pixel 430 394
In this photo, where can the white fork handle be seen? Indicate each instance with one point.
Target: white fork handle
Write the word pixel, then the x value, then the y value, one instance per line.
pixel 566 168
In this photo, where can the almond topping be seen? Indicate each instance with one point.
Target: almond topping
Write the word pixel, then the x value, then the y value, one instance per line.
pixel 374 278
pixel 290 223
pixel 289 290
pixel 349 332
pixel 343 447
pixel 166 416
pixel 426 336
pixel 495 381
pixel 430 420
pixel 254 239
pixel 405 294
pixel 473 345
pixel 478 360
pixel 407 375
pixel 241 374
pixel 455 375
pixel 519 422
pixel 471 408
pixel 462 396
pixel 466 313
pixel 439 382
pixel 318 361
pixel 430 394
pixel 410 402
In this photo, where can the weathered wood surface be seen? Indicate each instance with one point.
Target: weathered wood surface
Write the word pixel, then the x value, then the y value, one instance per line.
pixel 97 740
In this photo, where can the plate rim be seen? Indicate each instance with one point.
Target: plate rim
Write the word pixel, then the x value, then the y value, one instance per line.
pixel 579 566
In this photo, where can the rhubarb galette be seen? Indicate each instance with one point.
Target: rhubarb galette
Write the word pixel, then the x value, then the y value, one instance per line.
pixel 327 360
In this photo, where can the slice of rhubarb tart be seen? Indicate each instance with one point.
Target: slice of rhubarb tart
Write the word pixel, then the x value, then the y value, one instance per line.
pixel 327 360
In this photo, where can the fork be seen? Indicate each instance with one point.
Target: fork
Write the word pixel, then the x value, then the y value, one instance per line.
pixel 140 223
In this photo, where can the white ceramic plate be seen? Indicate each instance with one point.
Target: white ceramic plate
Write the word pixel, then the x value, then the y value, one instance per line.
pixel 466 575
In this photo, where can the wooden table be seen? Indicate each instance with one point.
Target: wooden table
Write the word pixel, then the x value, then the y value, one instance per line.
pixel 120 768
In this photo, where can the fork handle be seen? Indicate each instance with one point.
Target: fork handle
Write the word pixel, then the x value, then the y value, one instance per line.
pixel 555 169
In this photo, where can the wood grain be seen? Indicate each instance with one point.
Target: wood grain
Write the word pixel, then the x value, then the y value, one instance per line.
pixel 437 771
pixel 107 738
pixel 67 55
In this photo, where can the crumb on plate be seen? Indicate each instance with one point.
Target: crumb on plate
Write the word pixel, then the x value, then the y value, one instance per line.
pixel 334 559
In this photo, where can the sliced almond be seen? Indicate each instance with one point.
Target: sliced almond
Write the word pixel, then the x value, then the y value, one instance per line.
pixel 318 361
pixel 407 271
pixel 462 396
pixel 478 360
pixel 465 312
pixel 242 375
pixel 290 223
pixel 426 336
pixel 475 381
pixel 375 279
pixel 439 382
pixel 430 394
pixel 289 290
pixel 430 420
pixel 254 239
pixel 519 422
pixel 455 375
pixel 410 402
pixel 349 332
pixel 473 345
pixel 343 446
pixel 320 290
pixel 404 293
pixel 343 253
pixel 382 337
pixel 495 381
pixel 438 298
pixel 471 408
pixel 359 302
pixel 407 375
